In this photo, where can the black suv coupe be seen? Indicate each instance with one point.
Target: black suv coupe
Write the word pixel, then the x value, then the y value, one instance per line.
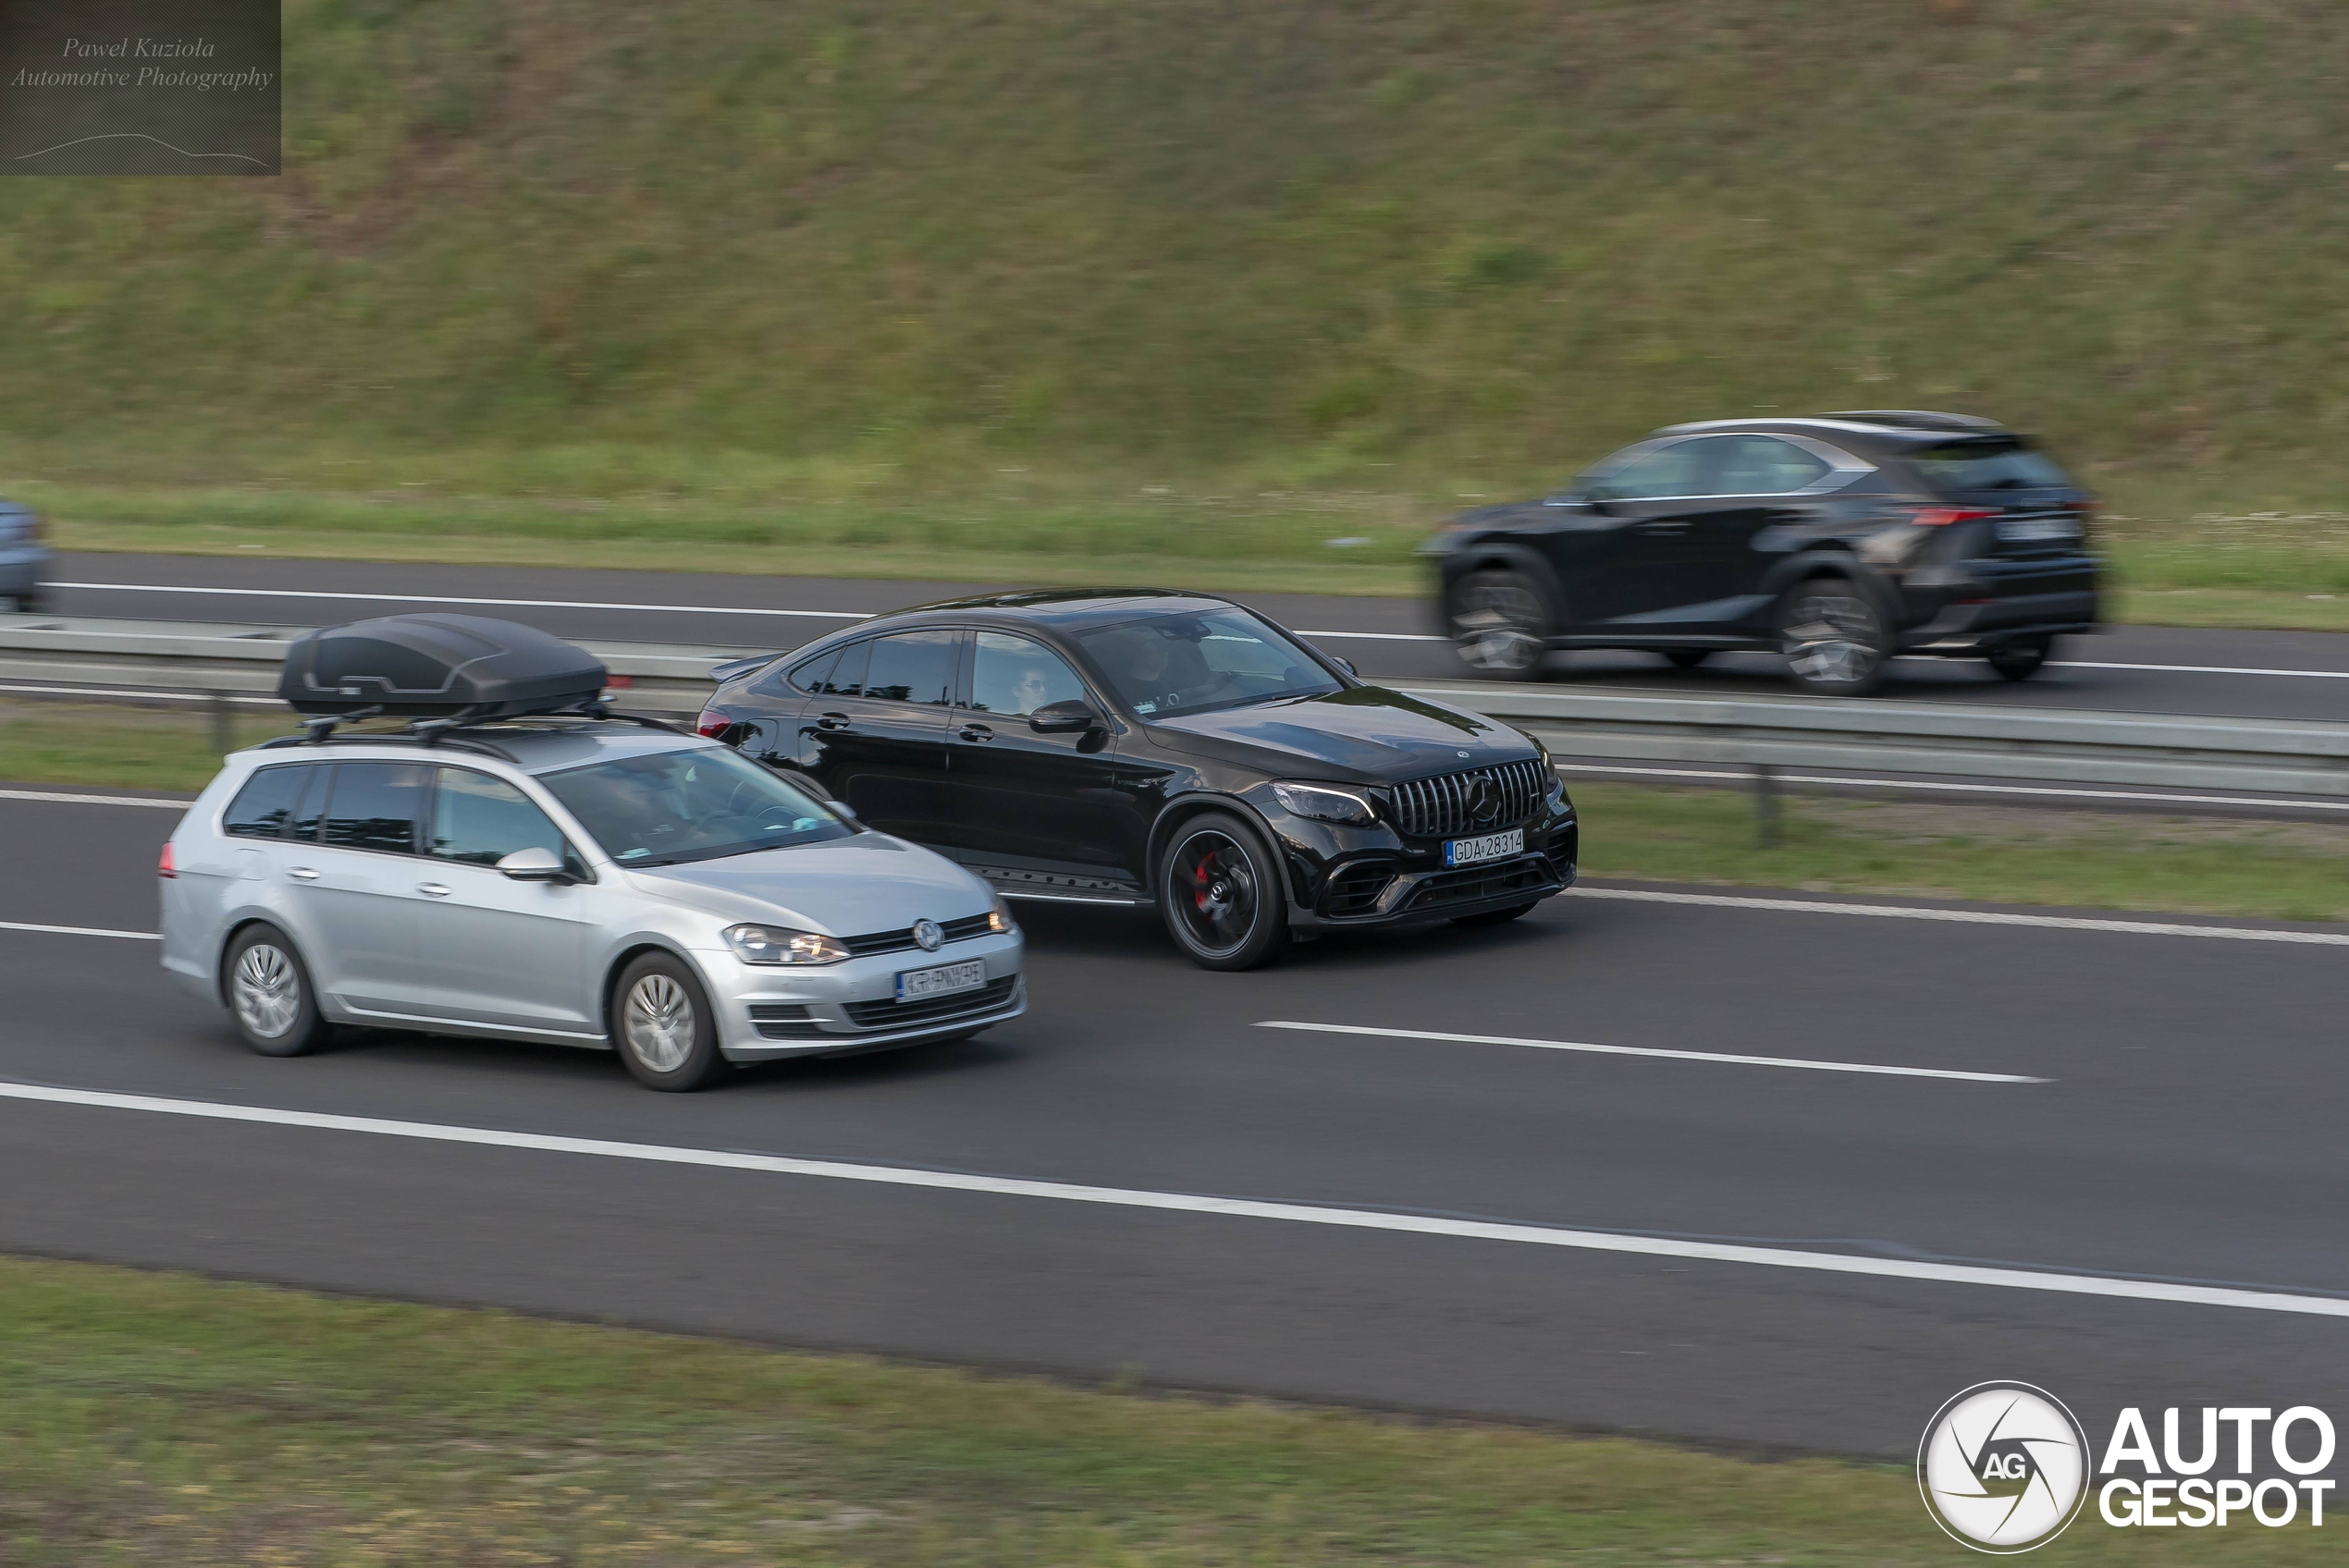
pixel 1138 747
pixel 1838 540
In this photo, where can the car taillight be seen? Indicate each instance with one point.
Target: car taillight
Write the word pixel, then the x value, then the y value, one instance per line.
pixel 164 868
pixel 712 723
pixel 1942 517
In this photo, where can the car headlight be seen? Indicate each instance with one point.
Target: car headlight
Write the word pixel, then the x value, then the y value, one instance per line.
pixel 779 944
pixel 999 919
pixel 1323 803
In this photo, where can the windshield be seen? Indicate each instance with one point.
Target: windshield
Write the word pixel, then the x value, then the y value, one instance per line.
pixel 677 806
pixel 1174 663
pixel 1989 465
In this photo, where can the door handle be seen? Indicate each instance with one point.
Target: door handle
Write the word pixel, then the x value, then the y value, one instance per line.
pixel 975 732
pixel 832 721
pixel 1663 528
pixel 433 890
pixel 301 873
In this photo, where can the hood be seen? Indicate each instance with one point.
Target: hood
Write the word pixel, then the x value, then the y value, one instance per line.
pixel 845 887
pixel 1364 735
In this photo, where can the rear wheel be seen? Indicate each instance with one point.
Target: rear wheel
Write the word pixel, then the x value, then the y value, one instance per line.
pixel 269 994
pixel 1497 916
pixel 2021 660
pixel 1834 639
pixel 1219 891
pixel 663 1025
pixel 1501 621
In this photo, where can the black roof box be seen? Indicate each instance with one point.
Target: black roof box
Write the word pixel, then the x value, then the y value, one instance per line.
pixel 437 666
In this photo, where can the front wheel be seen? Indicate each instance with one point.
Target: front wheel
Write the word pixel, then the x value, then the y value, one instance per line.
pixel 1834 639
pixel 2020 661
pixel 269 994
pixel 1219 891
pixel 667 1035
pixel 1501 622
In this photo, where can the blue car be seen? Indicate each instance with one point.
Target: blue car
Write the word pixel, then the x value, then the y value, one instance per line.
pixel 24 558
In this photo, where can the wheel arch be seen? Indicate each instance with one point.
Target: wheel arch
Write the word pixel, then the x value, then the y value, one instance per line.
pixel 1515 555
pixel 629 953
pixel 1183 808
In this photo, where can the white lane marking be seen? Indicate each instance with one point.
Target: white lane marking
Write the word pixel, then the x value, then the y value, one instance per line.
pixel 2199 670
pixel 91 800
pixel 82 931
pixel 1976 917
pixel 452 599
pixel 1656 1051
pixel 1737 778
pixel 1233 1208
pixel 142 695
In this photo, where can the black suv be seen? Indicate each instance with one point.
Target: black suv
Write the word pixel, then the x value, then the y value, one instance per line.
pixel 1840 540
pixel 1140 747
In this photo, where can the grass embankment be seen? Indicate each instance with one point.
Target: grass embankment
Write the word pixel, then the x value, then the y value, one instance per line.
pixel 1179 291
pixel 2002 855
pixel 159 1419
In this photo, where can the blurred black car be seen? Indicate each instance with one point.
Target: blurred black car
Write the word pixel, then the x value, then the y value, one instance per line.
pixel 1838 540
pixel 1133 747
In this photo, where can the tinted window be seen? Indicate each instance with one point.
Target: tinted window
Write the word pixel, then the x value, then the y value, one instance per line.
pixel 809 675
pixel 1176 664
pixel 913 666
pixel 373 805
pixel 698 804
pixel 1656 474
pixel 483 820
pixel 847 678
pixel 1015 677
pixel 1761 465
pixel 2003 464
pixel 267 802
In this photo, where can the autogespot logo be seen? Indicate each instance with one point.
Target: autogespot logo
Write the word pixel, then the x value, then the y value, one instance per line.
pixel 2003 1467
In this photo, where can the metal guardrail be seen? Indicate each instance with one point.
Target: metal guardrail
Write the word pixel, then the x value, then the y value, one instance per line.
pixel 2294 759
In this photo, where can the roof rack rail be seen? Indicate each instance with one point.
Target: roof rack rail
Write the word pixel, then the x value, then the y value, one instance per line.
pixel 1917 419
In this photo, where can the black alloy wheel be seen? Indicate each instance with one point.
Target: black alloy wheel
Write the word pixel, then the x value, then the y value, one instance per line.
pixel 1501 622
pixel 1687 658
pixel 1219 891
pixel 1834 639
pixel 2021 660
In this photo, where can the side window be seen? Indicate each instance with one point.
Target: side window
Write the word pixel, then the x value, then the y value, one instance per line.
pixel 1014 677
pixel 847 678
pixel 913 666
pixel 481 820
pixel 806 676
pixel 1657 475
pixel 1762 465
pixel 267 802
pixel 373 805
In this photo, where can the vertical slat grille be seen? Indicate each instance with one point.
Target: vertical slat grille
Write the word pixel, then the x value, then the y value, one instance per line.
pixel 1442 807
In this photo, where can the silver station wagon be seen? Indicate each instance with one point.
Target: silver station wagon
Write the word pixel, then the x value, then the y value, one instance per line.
pixel 575 879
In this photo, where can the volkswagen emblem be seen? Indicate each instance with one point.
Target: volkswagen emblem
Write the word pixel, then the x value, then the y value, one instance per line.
pixel 1483 801
pixel 928 936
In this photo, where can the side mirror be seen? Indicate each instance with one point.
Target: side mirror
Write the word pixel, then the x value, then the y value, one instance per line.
pixel 1070 717
pixel 1346 664
pixel 536 863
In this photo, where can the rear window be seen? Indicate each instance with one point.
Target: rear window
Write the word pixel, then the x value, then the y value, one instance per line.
pixel 267 803
pixel 1989 465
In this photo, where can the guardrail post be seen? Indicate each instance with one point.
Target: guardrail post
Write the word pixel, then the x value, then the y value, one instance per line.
pixel 1765 805
pixel 223 729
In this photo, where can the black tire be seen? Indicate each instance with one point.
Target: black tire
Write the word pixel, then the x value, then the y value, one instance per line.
pixel 2021 661
pixel 269 994
pixel 1501 621
pixel 1497 916
pixel 1687 658
pixel 1219 893
pixel 1834 637
pixel 662 1025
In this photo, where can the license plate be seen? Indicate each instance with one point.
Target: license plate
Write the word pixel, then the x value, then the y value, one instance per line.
pixel 1492 846
pixel 912 985
pixel 2029 530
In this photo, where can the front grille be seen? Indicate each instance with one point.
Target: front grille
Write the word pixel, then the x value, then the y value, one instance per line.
pixel 900 940
pixel 1356 889
pixel 992 997
pixel 1441 807
pixel 1532 874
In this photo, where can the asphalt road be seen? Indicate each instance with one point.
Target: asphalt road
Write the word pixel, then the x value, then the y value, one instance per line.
pixel 2152 669
pixel 2184 1127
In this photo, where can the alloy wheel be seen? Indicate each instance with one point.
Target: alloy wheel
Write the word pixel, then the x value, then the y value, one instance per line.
pixel 1831 638
pixel 1217 897
pixel 657 1023
pixel 1498 623
pixel 266 991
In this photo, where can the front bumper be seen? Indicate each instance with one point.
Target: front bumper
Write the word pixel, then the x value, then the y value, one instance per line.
pixel 1344 877
pixel 768 1013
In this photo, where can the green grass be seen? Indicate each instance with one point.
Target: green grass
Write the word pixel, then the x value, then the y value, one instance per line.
pixel 122 747
pixel 159 1419
pixel 864 286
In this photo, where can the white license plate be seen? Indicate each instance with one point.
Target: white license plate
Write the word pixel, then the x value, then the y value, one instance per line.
pixel 2031 529
pixel 912 985
pixel 1492 846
